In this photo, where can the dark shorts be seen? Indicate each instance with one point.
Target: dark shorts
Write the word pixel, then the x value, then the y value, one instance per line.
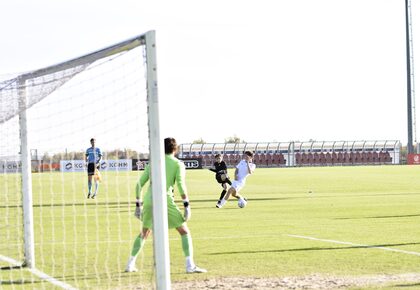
pixel 222 178
pixel 91 168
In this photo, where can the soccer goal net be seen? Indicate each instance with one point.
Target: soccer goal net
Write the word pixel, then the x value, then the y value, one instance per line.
pixel 51 233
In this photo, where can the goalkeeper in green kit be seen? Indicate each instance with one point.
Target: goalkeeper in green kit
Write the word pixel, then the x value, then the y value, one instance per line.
pixel 175 174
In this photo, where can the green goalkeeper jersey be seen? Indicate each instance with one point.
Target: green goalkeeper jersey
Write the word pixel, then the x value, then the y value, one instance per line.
pixel 175 174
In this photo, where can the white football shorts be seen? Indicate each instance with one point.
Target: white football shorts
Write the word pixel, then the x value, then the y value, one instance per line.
pixel 238 184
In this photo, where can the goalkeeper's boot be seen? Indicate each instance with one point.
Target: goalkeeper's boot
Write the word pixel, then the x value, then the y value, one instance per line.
pixel 131 269
pixel 93 196
pixel 88 196
pixel 195 269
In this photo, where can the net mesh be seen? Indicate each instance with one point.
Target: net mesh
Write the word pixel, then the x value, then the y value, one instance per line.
pixel 83 243
pixel 36 89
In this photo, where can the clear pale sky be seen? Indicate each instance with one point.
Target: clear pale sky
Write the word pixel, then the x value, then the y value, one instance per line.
pixel 261 70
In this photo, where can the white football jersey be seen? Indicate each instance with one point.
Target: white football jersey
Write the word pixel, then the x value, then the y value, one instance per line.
pixel 243 170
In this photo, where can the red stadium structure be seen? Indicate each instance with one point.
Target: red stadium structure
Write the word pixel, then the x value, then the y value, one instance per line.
pixel 291 154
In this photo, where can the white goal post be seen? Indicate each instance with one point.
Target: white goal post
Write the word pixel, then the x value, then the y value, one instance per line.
pixel 28 92
pixel 160 210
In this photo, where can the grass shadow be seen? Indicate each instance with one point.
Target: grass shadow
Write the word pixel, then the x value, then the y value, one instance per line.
pixel 313 249
pixel 380 217
pixel 18 282
pixel 10 268
pixel 416 285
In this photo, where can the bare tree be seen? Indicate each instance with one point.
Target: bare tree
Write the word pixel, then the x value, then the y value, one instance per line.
pixel 234 139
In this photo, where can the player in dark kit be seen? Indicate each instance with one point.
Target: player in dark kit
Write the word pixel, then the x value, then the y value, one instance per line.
pixel 221 176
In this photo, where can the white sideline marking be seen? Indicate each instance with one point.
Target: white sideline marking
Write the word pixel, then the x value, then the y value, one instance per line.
pixel 38 273
pixel 353 244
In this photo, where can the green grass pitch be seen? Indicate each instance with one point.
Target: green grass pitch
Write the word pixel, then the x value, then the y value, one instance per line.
pixel 298 221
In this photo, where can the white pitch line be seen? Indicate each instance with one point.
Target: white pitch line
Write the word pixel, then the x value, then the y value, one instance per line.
pixel 10 261
pixel 38 273
pixel 353 244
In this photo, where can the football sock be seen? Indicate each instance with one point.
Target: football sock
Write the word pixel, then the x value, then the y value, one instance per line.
pixel 96 187
pixel 137 246
pixel 222 195
pixel 90 186
pixel 187 247
pixel 188 250
pixel 189 262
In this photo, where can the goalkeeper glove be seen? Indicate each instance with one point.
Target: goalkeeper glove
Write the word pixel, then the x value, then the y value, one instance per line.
pixel 187 210
pixel 137 212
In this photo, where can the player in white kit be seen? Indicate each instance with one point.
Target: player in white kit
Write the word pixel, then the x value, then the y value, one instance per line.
pixel 244 168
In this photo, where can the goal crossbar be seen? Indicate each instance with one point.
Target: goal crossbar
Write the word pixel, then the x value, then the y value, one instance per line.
pixel 89 58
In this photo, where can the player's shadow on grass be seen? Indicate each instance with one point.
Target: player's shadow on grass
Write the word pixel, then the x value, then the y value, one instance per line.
pixel 276 198
pixel 313 249
pixel 213 202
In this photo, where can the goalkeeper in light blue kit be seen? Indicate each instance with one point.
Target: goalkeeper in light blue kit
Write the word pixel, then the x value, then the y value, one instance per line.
pixel 93 158
pixel 175 174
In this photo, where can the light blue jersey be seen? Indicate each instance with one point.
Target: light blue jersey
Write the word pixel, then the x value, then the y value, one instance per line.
pixel 93 155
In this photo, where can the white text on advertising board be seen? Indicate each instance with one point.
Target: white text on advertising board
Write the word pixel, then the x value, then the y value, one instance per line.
pixel 105 165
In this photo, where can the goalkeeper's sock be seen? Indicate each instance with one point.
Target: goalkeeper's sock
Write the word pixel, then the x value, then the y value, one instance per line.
pixel 90 186
pixel 187 248
pixel 189 262
pixel 222 195
pixel 137 246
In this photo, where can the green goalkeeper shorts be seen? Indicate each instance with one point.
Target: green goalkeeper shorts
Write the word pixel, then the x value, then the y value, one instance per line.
pixel 175 216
